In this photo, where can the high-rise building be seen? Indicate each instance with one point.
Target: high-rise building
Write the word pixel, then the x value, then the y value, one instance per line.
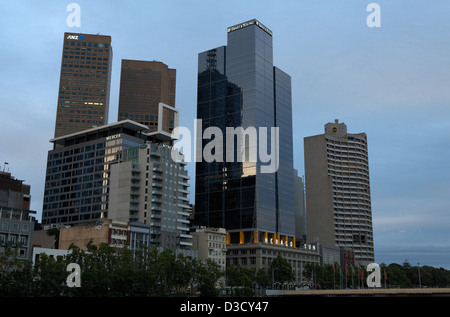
pixel 338 204
pixel 143 85
pixel 239 87
pixel 120 172
pixel 84 87
pixel 300 208
pixel 149 187
pixel 78 171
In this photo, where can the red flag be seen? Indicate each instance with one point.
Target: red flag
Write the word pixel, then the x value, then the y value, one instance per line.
pixel 385 275
pixel 346 269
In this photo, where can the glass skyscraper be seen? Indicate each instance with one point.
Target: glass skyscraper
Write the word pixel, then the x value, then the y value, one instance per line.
pixel 238 86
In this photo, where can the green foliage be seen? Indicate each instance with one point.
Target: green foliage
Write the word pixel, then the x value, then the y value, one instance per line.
pixel 398 276
pixel 114 272
pixel 108 271
pixel 282 270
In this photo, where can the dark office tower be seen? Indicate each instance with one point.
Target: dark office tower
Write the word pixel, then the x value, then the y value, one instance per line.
pixel 77 180
pixel 143 85
pixel 238 86
pixel 83 99
pixel 338 204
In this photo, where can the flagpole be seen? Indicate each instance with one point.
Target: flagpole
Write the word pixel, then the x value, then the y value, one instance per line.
pixel 334 277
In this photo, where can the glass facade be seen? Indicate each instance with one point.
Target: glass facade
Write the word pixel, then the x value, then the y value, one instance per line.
pixel 238 86
pixel 78 171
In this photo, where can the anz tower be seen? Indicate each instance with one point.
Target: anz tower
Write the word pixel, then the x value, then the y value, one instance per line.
pixel 240 88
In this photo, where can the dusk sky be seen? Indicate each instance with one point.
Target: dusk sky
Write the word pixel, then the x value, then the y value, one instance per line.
pixel 391 82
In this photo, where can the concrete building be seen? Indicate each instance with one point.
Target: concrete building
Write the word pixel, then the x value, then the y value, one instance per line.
pixel 16 220
pixel 338 203
pixel 114 233
pixel 16 231
pixel 210 243
pixel 13 192
pixel 148 186
pixel 52 253
pixel 300 209
pixel 85 79
pixel 260 256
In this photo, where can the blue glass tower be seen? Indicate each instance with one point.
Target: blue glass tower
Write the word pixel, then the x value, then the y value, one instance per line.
pixel 238 86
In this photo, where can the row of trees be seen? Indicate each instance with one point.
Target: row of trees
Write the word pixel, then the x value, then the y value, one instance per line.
pixel 110 271
pixel 392 276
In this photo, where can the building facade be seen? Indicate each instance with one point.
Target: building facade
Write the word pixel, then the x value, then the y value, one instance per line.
pixel 16 231
pixel 148 186
pixel 211 245
pixel 16 218
pixel 143 85
pixel 78 171
pixel 300 208
pixel 338 201
pixel 259 256
pixel 239 87
pixel 13 192
pixel 84 87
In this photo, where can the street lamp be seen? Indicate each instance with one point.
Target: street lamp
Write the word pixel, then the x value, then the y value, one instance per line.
pixel 273 280
pixel 418 267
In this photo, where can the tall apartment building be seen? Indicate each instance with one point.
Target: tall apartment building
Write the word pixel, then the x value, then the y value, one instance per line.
pixel 238 86
pixel 338 203
pixel 143 85
pixel 84 87
pixel 149 187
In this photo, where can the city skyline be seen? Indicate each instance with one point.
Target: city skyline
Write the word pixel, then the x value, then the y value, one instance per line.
pixel 395 77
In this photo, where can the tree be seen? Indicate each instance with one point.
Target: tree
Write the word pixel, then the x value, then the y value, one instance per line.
pixel 281 270
pixel 207 274
pixel 262 278
pixel 16 276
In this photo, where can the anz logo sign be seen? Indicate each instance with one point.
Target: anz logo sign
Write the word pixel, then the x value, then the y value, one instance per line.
pixel 75 37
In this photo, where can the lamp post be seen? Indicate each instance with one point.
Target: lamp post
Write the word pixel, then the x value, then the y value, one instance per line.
pixel 273 280
pixel 418 267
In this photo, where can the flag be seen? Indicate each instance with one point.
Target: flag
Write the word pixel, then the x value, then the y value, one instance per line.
pixel 385 275
pixel 346 269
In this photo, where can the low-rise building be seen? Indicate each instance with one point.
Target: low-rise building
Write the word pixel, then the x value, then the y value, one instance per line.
pixel 114 233
pixel 210 243
pixel 16 231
